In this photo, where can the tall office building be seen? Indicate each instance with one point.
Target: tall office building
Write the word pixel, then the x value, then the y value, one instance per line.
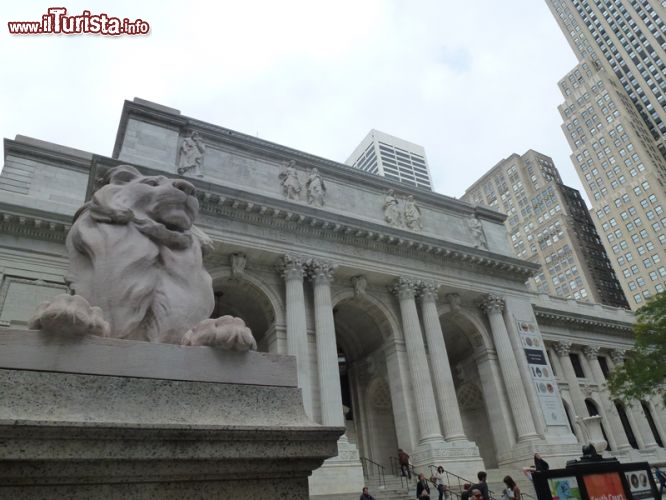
pixel 627 39
pixel 549 224
pixel 615 121
pixel 393 158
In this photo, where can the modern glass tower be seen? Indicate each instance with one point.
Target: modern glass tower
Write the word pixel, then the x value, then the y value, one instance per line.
pixel 615 121
pixel 393 158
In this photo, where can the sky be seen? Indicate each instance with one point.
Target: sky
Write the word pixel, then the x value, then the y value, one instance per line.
pixel 472 81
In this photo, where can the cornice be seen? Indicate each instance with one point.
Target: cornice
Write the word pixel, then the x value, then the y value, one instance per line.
pixel 45 226
pixel 214 134
pixel 297 218
pixel 51 153
pixel 581 322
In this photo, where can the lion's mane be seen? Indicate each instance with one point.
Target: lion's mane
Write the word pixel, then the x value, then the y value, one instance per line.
pixel 135 253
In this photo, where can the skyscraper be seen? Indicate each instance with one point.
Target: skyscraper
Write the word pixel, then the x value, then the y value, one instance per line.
pixel 549 224
pixel 627 39
pixel 393 158
pixel 615 121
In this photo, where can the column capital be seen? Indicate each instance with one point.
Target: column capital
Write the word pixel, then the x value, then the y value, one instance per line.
pixel 492 304
pixel 428 290
pixel 404 288
pixel 617 355
pixel 591 352
pixel 320 271
pixel 562 348
pixel 290 267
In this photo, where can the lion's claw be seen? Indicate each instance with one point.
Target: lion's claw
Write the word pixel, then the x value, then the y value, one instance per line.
pixel 227 332
pixel 69 314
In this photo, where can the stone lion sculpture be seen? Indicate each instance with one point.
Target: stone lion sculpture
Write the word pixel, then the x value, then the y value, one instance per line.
pixel 136 268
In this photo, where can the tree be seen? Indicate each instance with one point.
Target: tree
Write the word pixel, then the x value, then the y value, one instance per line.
pixel 643 373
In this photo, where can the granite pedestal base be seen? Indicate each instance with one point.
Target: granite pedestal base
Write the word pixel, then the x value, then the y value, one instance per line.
pixel 105 418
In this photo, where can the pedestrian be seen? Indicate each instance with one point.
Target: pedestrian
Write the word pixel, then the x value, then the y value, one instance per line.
pixel 365 495
pixel 474 494
pixel 422 488
pixel 403 460
pixel 438 480
pixel 540 465
pixel 662 480
pixel 482 486
pixel 465 495
pixel 512 491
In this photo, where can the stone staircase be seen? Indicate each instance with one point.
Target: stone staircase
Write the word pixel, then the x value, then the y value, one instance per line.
pixel 496 483
pixel 393 489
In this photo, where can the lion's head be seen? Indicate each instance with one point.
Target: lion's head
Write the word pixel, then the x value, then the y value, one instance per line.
pixel 150 201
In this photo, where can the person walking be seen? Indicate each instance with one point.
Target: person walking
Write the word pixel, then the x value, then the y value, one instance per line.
pixel 422 488
pixel 365 495
pixel 512 490
pixel 438 480
pixel 540 465
pixel 403 460
pixel 482 486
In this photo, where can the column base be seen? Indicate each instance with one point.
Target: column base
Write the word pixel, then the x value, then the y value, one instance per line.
pixel 458 457
pixel 342 474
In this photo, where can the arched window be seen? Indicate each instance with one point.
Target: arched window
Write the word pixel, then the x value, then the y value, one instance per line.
pixel 653 427
pixel 627 426
pixel 592 410
pixel 567 412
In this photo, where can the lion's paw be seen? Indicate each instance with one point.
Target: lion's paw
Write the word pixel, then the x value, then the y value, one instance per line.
pixel 227 332
pixel 69 314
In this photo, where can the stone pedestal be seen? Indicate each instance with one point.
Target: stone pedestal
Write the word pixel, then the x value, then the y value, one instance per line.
pixel 103 418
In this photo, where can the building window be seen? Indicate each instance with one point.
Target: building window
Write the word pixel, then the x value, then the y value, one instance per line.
pixel 578 368
pixel 603 363
pixel 627 426
pixel 653 427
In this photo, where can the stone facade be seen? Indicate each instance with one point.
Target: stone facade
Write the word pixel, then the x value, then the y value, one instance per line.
pixel 419 338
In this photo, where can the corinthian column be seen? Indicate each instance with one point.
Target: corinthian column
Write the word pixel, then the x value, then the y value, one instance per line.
pixel 439 362
pixel 291 269
pixel 493 306
pixel 562 349
pixel 321 274
pixel 616 427
pixel 635 413
pixel 426 413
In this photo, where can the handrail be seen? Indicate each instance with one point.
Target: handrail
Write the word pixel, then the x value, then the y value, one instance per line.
pixel 491 494
pixel 396 470
pixel 369 466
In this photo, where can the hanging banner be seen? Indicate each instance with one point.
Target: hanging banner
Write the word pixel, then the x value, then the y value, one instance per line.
pixel 542 374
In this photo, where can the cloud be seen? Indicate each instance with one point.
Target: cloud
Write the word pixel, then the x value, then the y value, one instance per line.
pixel 473 82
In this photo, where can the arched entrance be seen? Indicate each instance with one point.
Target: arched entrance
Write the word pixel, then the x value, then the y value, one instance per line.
pixel 361 329
pixel 464 342
pixel 246 300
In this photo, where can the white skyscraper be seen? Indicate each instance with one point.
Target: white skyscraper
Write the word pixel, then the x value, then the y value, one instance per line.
pixel 393 158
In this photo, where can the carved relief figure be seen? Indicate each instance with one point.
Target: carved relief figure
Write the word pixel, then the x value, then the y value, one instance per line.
pixel 291 184
pixel 359 283
pixel 316 189
pixel 135 266
pixel 412 214
pixel 391 209
pixel 238 262
pixel 191 155
pixel 478 234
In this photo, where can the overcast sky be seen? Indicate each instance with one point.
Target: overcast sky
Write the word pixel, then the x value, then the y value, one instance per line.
pixel 472 81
